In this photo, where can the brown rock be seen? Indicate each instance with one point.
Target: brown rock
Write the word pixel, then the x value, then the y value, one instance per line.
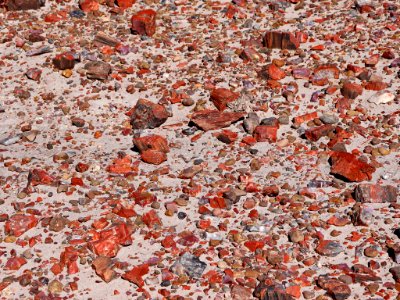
pixel 272 291
pixel 375 193
pixel 263 133
pixel 348 166
pixel 239 292
pixel 144 22
pixel 335 288
pixel 351 90
pixel 281 40
pixel 147 114
pixel 214 119
pixel 103 267
pixel 24 4
pixel 329 248
pixel 64 61
pixel 57 223
pixel 97 70
pixel 315 133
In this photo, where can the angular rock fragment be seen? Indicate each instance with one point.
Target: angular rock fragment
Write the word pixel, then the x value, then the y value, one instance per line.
pixel 151 142
pixel 18 224
pixel 37 176
pixel 222 96
pixel 153 157
pixel 281 40
pixel 251 122
pixel 349 167
pixel 315 133
pixel 273 72
pixel 273 291
pixel 24 4
pixel 34 74
pixel 103 268
pixel 103 39
pixel 189 264
pixel 144 22
pixel 64 61
pixel 329 248
pixel 264 133
pixel 324 73
pixel 334 287
pixel 351 90
pixel 214 119
pixel 147 114
pixel 362 215
pixel 97 70
pixel 375 193
pixel 395 271
pixel 135 275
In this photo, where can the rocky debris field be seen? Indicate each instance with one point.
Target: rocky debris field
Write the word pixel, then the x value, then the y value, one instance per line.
pixel 199 149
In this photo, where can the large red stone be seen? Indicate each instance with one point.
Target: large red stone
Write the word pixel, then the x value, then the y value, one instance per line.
pixel 222 96
pixel 151 142
pixel 151 219
pixel 213 119
pixel 89 5
pixel 37 176
pixel 281 40
pixel 124 4
pixel 19 224
pixel 264 133
pixel 135 275
pixel 273 72
pixel 153 157
pixel 147 114
pixel 351 90
pixel 64 61
pixel 14 263
pixel 375 193
pixel 144 22
pixel 348 166
pixel 315 133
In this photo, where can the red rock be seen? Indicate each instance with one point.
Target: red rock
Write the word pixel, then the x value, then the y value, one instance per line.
pixel 34 74
pixel 254 245
pixel 103 268
pixel 108 242
pixel 153 157
pixel 24 4
pixel 281 40
pixel 351 90
pixel 147 114
pixel 348 166
pixel 315 133
pixel 294 290
pixel 264 133
pixel 151 219
pixel 135 275
pixel 227 136
pixel 18 224
pixel 81 167
pixel 124 212
pixel 64 61
pixel 144 22
pixel 305 118
pixel 329 248
pixel 375 193
pixel 124 4
pixel 222 96
pixel 372 60
pixel 388 54
pixel 375 86
pixel 15 263
pixel 38 176
pixel 214 119
pixel 143 198
pixel 68 258
pixel 337 289
pixel 273 72
pixel 323 73
pixel 122 165
pixel 89 5
pixel 151 142
pixel 395 271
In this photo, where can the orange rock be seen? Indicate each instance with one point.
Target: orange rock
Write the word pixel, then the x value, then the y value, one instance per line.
pixel 273 72
pixel 222 96
pixel 144 22
pixel 153 157
pixel 348 166
pixel 135 275
pixel 151 142
pixel 122 165
pixel 124 4
pixel 89 5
